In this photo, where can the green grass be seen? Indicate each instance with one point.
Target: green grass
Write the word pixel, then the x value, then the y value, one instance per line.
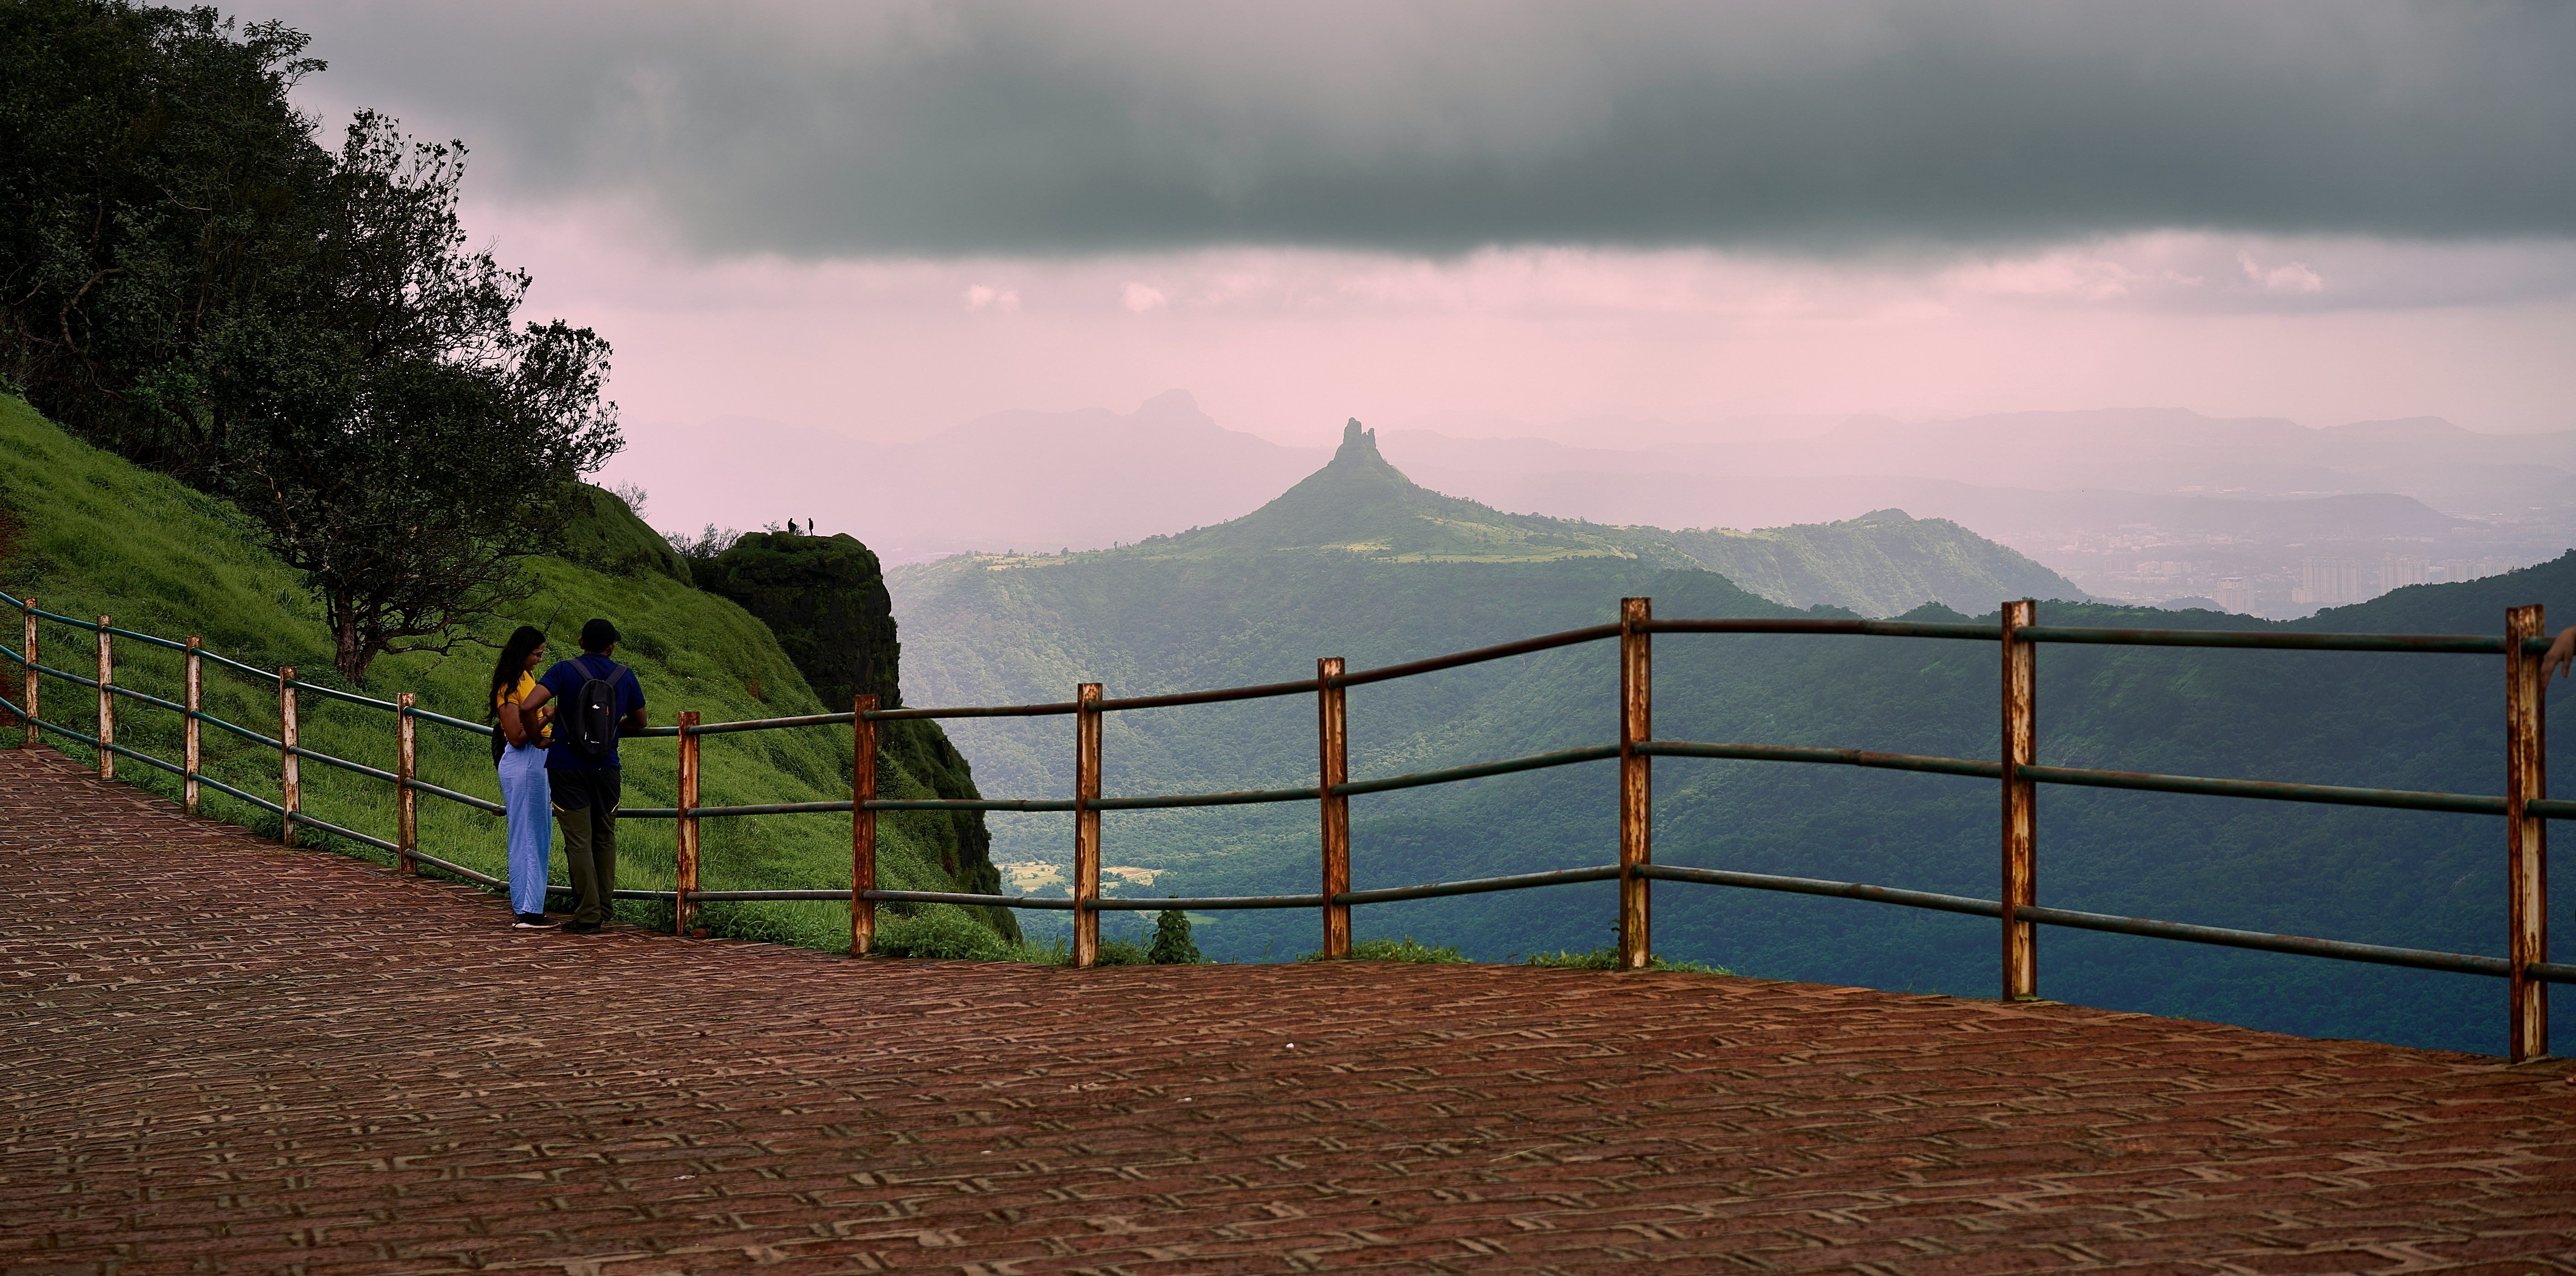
pixel 87 534
pixel 946 932
pixel 1404 949
pixel 1606 957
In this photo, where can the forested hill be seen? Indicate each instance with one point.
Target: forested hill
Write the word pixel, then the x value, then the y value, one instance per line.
pixel 1162 618
pixel 1359 506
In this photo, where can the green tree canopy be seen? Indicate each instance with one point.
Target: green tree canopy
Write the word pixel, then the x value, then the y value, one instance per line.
pixel 188 277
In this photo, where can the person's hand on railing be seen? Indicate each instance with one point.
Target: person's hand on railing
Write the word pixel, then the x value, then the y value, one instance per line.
pixel 2562 655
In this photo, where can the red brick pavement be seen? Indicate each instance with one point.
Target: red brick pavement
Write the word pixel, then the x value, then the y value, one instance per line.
pixel 221 1055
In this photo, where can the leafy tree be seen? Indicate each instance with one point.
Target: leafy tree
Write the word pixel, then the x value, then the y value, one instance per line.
pixel 154 185
pixel 398 437
pixel 189 278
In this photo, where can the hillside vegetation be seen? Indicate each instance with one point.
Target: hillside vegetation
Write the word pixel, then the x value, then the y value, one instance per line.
pixel 1181 614
pixel 88 534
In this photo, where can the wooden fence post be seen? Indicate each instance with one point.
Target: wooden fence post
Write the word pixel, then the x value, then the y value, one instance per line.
pixel 406 799
pixel 290 786
pixel 2021 803
pixel 1086 825
pixel 28 649
pixel 106 702
pixel 2526 838
pixel 1332 714
pixel 1636 783
pixel 863 826
pixel 192 691
pixel 685 908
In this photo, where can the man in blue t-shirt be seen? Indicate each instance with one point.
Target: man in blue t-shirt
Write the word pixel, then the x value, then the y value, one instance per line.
pixel 587 781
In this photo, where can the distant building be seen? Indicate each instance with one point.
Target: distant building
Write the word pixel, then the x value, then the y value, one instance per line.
pixel 2398 573
pixel 2328 582
pixel 2234 595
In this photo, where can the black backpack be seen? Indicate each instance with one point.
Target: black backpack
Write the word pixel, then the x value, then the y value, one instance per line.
pixel 593 720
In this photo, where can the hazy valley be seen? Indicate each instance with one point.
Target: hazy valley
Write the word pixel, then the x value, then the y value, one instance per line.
pixel 2262 515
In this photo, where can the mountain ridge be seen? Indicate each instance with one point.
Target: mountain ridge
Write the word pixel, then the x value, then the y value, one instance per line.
pixel 1361 505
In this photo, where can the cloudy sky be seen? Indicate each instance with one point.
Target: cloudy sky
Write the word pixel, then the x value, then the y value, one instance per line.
pixel 886 219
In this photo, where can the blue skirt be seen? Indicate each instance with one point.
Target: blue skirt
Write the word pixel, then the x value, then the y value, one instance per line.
pixel 529 800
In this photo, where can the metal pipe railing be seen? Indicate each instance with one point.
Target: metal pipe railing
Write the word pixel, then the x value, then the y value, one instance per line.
pixel 154 640
pixel 2380 954
pixel 2017 631
pixel 1872 628
pixel 466 799
pixel 350 697
pixel 478 728
pixel 338 831
pixel 1845 757
pixel 2273 790
pixel 1221 695
pixel 1479 770
pixel 264 675
pixel 242 731
pixel 1242 797
pixel 1476 656
pixel 252 798
pixel 2458 644
pixel 120 689
pixel 345 764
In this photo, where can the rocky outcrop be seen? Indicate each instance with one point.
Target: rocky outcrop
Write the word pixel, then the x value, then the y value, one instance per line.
pixel 825 599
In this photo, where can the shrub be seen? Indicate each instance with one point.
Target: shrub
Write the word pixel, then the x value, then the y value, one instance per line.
pixel 943 932
pixel 1172 943
pixel 1404 949
pixel 1119 952
pixel 1606 957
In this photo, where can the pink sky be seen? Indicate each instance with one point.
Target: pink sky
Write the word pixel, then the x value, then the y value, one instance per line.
pixel 1288 343
pixel 892 219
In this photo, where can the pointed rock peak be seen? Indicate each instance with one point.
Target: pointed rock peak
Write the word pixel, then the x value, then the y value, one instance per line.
pixel 1359 446
pixel 1170 402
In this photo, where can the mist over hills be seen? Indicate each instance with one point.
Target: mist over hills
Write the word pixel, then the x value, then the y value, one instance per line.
pixel 2140 505
pixel 1361 506
pixel 1009 481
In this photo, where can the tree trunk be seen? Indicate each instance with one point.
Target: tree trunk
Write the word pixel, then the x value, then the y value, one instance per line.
pixel 352 656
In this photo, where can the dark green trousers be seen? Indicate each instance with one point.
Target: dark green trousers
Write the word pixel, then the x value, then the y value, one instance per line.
pixel 585 805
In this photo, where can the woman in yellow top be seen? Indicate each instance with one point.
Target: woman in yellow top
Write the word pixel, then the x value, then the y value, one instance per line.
pixel 520 752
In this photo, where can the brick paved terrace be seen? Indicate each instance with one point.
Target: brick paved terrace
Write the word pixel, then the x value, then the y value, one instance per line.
pixel 220 1055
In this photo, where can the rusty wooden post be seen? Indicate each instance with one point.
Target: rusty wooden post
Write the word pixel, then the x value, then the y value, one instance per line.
pixel 863 826
pixel 27 648
pixel 106 702
pixel 193 687
pixel 2526 779
pixel 406 798
pixel 1086 824
pixel 2021 802
pixel 1636 783
pixel 1332 714
pixel 290 786
pixel 685 909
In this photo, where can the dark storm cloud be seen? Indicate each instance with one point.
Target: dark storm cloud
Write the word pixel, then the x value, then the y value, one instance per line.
pixel 956 129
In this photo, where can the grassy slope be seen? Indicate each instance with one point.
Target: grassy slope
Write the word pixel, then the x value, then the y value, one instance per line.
pixel 1878 564
pixel 94 535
